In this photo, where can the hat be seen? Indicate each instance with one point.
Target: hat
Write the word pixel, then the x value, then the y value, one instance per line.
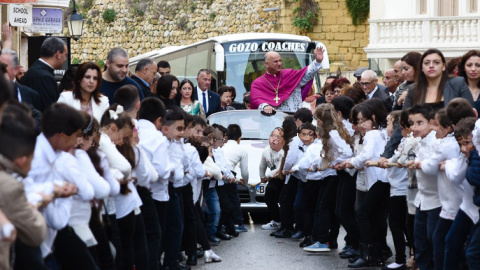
pixel 359 71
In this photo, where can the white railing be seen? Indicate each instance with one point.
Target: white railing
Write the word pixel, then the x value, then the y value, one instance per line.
pixel 438 32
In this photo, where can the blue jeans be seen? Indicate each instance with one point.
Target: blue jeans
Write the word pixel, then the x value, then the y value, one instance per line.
pixel 473 249
pixel 443 227
pixel 210 199
pixel 455 240
pixel 425 224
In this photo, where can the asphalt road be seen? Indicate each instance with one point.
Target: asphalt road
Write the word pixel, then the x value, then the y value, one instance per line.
pixel 256 250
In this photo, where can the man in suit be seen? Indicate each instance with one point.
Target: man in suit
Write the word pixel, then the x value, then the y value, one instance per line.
pixel 22 93
pixel 369 84
pixel 209 99
pixel 40 76
pixel 145 72
pixel 390 81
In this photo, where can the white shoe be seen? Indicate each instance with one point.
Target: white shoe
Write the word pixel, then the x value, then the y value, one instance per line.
pixel 210 256
pixel 272 225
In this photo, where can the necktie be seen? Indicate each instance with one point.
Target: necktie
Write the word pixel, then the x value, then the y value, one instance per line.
pixel 301 149
pixel 204 102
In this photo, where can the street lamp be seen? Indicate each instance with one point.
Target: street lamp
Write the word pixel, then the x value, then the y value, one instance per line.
pixel 75 23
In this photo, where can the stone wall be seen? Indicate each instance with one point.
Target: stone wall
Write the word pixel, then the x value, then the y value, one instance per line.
pixel 180 22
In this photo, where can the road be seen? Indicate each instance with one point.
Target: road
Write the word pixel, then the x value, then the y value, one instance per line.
pixel 256 250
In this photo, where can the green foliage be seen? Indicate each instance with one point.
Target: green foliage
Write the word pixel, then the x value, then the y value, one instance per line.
pixel 358 10
pixel 109 15
pixel 306 15
pixel 87 4
pixel 101 63
pixel 213 15
pixel 76 61
pixel 193 6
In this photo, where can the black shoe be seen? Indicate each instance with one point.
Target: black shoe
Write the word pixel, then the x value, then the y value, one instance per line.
pixel 307 241
pixel 223 236
pixel 277 232
pixel 298 235
pixel 284 234
pixel 177 267
pixel 200 253
pixel 333 245
pixel 192 260
pixel 349 253
pixel 232 233
pixel 364 260
pixel 359 263
pixel 214 241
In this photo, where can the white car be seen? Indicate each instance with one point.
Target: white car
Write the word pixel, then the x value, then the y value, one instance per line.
pixel 256 130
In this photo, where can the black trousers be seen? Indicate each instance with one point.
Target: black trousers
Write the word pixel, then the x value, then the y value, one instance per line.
pixel 174 228
pixel 232 192
pixel 314 190
pixel 326 225
pixel 152 227
pixel 102 252
pixel 162 220
pixel 287 198
pixel 126 225
pixel 189 239
pixel 113 233
pixel 28 257
pixel 397 219
pixel 345 207
pixel 371 213
pixel 272 197
pixel 202 238
pixel 226 206
pixel 71 252
pixel 140 243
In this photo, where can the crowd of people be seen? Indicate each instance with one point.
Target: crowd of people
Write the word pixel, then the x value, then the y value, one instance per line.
pixel 110 171
pixel 400 155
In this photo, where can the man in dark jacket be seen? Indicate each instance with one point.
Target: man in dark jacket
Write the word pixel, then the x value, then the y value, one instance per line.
pixel 145 72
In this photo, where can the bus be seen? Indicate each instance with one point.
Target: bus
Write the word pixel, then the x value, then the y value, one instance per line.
pixel 238 59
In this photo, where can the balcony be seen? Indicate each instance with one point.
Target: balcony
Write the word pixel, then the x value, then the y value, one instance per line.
pixel 393 38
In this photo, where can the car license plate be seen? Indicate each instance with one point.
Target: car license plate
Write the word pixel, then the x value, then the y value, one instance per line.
pixel 260 188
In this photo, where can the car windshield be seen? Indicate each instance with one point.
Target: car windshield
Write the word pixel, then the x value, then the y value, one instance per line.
pixel 254 125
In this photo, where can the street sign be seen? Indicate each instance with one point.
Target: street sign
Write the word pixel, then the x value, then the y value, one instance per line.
pixel 20 15
pixel 46 20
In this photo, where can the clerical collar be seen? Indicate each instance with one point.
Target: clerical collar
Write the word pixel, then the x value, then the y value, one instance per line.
pixel 274 75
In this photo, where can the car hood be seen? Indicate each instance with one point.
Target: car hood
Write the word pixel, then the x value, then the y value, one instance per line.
pixel 254 149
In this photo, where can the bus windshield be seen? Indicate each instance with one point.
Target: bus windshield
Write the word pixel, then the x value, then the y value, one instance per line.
pixel 244 61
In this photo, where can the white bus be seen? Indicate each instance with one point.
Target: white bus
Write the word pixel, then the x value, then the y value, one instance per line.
pixel 236 60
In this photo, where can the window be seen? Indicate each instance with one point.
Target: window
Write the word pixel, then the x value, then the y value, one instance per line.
pixel 448 8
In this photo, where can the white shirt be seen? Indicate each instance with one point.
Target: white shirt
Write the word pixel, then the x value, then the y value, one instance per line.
pixel 348 126
pixel 292 157
pixel 112 176
pixel 312 159
pixel 44 170
pixel 219 157
pixel 192 165
pixel 155 146
pixel 176 155
pixel 427 196
pixel 373 146
pixel 270 162
pixel 200 97
pixel 370 95
pixel 236 155
pixel 450 195
pixel 456 170
pixel 294 102
pixel 398 177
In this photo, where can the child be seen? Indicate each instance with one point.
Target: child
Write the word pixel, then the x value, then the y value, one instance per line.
pixel 343 105
pixel 334 149
pixel 271 158
pixel 450 195
pixel 371 212
pixel 402 155
pixel 427 200
pixel 397 177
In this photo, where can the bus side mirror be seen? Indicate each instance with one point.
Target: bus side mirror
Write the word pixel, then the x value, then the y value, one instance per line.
pixel 219 57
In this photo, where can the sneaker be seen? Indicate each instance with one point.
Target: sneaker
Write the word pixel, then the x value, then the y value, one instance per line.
pixel 393 266
pixel 272 225
pixel 241 228
pixel 210 256
pixel 317 247
pixel 298 235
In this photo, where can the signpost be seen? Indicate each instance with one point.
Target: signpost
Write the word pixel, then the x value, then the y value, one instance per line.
pixel 46 20
pixel 20 15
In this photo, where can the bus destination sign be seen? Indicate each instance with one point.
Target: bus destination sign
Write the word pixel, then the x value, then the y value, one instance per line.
pixel 266 46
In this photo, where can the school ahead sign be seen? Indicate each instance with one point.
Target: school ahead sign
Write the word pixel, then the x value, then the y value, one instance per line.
pixel 20 15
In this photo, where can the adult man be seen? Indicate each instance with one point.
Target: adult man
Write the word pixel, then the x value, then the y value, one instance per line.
pixel 400 92
pixel 163 67
pixel 22 93
pixel 283 89
pixel 40 76
pixel 209 99
pixel 145 72
pixel 369 84
pixel 20 73
pixel 358 73
pixel 390 81
pixel 115 76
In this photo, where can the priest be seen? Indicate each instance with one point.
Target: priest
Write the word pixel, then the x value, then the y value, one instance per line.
pixel 283 89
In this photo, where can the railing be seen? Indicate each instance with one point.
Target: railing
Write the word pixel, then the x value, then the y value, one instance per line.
pixel 425 32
